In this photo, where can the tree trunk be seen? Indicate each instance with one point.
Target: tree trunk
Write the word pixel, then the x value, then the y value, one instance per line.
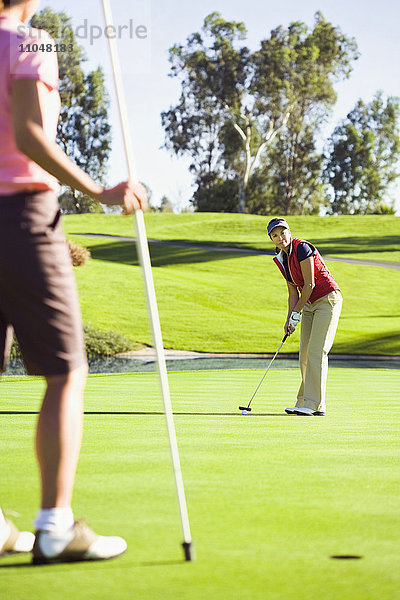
pixel 76 201
pixel 242 197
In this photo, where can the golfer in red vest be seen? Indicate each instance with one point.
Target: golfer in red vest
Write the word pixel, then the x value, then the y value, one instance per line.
pixel 38 296
pixel 316 301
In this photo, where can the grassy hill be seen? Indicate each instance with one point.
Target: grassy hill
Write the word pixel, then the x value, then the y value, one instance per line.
pixel 230 302
pixel 368 237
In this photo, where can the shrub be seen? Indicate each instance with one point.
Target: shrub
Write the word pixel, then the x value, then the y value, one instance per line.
pixel 105 343
pixel 97 343
pixel 79 254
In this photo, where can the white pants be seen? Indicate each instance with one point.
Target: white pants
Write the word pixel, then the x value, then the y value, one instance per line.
pixel 318 328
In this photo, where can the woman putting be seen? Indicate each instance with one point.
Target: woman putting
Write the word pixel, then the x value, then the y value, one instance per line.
pixel 38 296
pixel 321 302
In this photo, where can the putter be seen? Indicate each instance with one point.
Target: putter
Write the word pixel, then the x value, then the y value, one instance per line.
pixel 145 263
pixel 247 408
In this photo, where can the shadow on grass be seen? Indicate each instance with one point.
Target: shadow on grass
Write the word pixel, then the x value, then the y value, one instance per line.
pixel 87 563
pixel 357 245
pixel 161 255
pixel 377 343
pixel 185 252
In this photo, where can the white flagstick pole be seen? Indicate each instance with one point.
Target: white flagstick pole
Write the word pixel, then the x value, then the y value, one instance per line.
pixel 144 256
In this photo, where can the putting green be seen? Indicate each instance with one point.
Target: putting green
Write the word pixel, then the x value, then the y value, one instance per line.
pixel 271 497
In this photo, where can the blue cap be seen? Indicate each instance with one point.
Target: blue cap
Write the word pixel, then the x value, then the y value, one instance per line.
pixel 277 222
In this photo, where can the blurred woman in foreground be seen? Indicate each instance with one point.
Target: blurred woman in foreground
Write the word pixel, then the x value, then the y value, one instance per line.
pixel 38 296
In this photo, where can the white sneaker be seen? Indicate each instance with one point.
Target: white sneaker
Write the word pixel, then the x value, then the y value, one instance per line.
pixel 16 541
pixel 308 412
pixel 78 544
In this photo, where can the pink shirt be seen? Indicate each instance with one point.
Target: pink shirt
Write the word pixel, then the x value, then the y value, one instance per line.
pixel 18 172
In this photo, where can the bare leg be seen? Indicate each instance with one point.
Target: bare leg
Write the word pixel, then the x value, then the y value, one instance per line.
pixel 58 442
pixel 58 436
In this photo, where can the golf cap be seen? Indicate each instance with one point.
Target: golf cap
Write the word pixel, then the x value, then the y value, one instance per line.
pixel 277 222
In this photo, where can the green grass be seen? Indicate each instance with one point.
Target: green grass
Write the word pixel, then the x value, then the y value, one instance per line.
pixel 270 497
pixel 228 302
pixel 369 237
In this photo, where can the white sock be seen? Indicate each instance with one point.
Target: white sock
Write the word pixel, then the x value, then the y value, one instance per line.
pixel 53 543
pixel 55 520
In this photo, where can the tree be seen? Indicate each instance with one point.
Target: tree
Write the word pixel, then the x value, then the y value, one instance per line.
pixel 364 155
pixel 309 63
pixel 215 194
pixel 83 130
pixel 215 76
pixel 290 183
pixel 234 104
pixel 212 74
pixel 165 206
pixel 73 202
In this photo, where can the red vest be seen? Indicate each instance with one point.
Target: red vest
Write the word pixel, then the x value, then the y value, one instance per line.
pixel 324 282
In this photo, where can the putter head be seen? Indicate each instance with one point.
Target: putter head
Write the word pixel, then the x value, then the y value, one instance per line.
pixel 245 408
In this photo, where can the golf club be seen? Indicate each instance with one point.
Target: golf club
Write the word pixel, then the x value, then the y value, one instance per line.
pixel 144 257
pixel 246 409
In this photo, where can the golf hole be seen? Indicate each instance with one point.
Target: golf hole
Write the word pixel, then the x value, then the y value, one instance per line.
pixel 346 557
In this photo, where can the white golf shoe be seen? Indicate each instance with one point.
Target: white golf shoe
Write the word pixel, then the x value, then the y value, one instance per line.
pixel 14 541
pixel 80 543
pixel 308 412
pixel 291 411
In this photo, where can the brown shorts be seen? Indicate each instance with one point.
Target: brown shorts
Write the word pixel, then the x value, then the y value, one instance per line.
pixel 38 295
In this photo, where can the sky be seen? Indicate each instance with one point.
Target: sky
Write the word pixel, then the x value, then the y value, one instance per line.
pixel 150 27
